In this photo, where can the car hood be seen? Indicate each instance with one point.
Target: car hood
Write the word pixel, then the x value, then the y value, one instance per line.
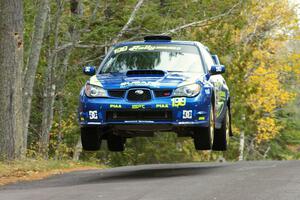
pixel 122 81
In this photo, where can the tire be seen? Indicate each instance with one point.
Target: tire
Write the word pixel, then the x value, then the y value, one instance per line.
pixel 222 135
pixel 204 137
pixel 115 143
pixel 90 138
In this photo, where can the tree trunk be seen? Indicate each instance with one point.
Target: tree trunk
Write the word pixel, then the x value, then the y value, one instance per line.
pixel 241 147
pixel 11 65
pixel 60 83
pixel 32 63
pixel 162 3
pixel 50 82
pixel 48 104
pixel 77 150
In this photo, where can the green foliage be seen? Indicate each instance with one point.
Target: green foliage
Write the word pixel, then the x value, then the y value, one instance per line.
pixel 287 144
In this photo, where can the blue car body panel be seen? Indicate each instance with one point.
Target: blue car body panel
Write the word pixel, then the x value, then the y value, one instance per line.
pixel 178 111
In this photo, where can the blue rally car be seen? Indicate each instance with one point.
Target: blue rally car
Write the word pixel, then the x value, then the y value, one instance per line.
pixel 155 85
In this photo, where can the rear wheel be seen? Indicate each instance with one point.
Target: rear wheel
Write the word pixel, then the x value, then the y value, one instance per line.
pixel 90 138
pixel 204 137
pixel 222 135
pixel 115 142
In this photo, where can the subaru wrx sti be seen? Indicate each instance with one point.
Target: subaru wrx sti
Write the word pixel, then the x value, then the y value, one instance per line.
pixel 152 86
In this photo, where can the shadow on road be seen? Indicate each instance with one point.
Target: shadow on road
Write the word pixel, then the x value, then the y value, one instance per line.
pixel 158 173
pixel 120 174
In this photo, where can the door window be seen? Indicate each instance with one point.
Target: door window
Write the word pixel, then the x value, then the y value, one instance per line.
pixel 207 58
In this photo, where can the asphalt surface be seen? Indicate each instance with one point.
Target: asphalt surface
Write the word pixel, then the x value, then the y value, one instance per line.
pixel 266 180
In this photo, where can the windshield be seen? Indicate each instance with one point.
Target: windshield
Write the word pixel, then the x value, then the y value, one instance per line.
pixel 179 58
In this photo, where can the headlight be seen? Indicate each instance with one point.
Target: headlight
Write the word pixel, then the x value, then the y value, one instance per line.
pixel 187 90
pixel 94 91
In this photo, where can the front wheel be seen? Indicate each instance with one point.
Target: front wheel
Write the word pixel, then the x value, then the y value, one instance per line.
pixel 222 135
pixel 204 137
pixel 90 138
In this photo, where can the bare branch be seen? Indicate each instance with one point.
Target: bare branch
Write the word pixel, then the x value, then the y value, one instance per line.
pixel 129 22
pixel 202 22
pixel 89 46
pixel 78 45
pixel 125 28
pixel 93 16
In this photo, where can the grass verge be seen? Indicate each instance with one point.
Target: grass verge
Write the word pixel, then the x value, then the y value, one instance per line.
pixel 28 170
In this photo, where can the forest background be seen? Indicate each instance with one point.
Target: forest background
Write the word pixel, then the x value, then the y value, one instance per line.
pixel 257 41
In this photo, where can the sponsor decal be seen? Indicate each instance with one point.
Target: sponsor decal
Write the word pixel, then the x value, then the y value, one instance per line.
pixel 187 122
pixel 178 102
pixel 115 106
pixel 139 83
pixel 138 106
pixel 187 114
pixel 93 114
pixel 139 121
pixel 218 69
pixel 87 69
pixel 146 48
pixel 120 49
pixel 162 106
pixel 222 94
pixel 201 118
pixel 207 91
pixel 94 123
pixel 153 47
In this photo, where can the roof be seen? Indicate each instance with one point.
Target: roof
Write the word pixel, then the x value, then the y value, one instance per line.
pixel 179 42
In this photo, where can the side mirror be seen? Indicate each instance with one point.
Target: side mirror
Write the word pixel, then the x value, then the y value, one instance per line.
pixel 217 69
pixel 89 70
pixel 216 59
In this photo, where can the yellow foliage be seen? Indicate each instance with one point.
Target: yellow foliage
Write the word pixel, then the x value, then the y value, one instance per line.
pixel 260 65
pixel 271 18
pixel 269 93
pixel 267 129
pixel 270 25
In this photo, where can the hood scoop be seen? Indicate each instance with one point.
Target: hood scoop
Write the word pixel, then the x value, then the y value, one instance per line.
pixel 146 73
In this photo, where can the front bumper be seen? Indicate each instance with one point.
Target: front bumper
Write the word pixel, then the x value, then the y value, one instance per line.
pixel 180 111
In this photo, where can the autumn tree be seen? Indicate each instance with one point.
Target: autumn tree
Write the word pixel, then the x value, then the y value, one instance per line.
pixel 253 47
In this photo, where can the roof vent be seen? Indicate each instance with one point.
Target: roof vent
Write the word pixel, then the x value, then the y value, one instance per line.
pixel 158 73
pixel 157 38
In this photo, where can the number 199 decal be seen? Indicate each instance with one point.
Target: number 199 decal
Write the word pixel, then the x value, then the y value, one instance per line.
pixel 179 102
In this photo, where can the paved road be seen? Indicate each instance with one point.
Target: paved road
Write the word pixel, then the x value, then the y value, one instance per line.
pixel 198 181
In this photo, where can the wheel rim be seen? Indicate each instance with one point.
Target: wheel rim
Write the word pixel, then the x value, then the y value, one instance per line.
pixel 212 126
pixel 227 127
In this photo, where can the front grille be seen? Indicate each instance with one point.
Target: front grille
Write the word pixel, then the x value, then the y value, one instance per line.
pixel 163 93
pixel 134 97
pixel 116 93
pixel 159 115
pixel 139 95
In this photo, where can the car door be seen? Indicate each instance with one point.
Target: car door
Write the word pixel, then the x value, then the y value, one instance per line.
pixel 217 81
